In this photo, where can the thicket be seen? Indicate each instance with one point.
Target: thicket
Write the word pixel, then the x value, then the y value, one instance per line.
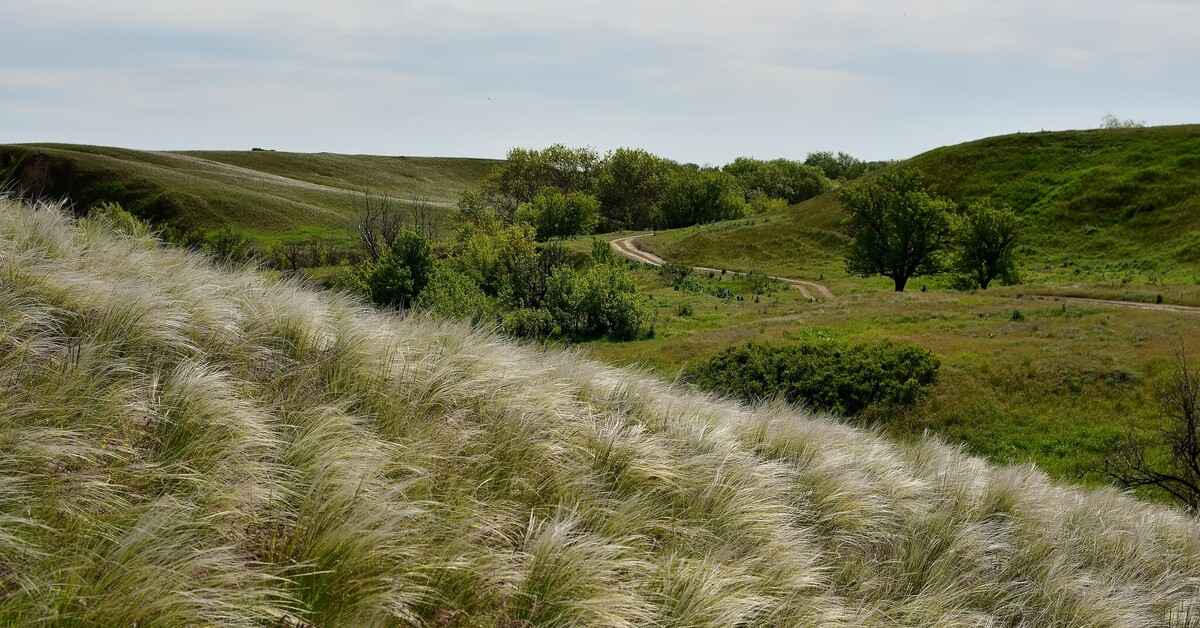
pixel 785 179
pixel 635 189
pixel 497 274
pixel 831 376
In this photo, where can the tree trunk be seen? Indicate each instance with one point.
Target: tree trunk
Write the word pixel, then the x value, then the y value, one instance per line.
pixel 900 281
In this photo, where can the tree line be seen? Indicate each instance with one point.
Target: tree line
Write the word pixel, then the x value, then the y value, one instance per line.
pixel 568 192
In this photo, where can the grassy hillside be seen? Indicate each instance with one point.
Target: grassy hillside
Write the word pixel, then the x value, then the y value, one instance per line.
pixel 254 191
pixel 181 444
pixel 1103 207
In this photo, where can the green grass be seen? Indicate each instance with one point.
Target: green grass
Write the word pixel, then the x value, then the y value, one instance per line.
pixel 1111 214
pixel 1104 209
pixel 187 445
pixel 1057 387
pixel 263 193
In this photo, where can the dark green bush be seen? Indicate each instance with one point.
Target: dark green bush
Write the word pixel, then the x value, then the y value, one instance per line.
pixel 403 272
pixel 831 376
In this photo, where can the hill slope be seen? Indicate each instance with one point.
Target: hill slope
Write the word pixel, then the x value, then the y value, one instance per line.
pixel 1101 205
pixel 263 191
pixel 181 444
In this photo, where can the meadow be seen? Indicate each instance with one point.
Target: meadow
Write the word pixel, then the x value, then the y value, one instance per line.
pixel 183 443
pixel 263 194
pixel 1109 214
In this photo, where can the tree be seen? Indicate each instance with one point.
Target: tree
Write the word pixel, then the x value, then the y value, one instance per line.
pixel 838 167
pixel 557 215
pixel 789 180
pixel 899 227
pixel 986 241
pixel 699 197
pixel 403 272
pixel 1169 458
pixel 1109 121
pixel 629 183
pixel 287 256
pixel 377 222
pixel 526 172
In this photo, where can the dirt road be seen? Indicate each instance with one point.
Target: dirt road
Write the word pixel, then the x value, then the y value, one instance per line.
pixel 627 247
pixel 1136 305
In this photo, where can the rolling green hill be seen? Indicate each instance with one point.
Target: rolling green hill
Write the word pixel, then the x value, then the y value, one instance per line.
pixel 1112 205
pixel 254 191
pixel 186 445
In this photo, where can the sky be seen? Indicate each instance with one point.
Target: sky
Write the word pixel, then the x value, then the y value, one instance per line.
pixel 698 81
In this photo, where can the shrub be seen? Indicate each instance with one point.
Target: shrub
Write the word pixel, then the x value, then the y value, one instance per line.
pixel 831 376
pixel 529 323
pixel 556 214
pixel 451 294
pixel 403 272
pixel 115 217
pixel 229 246
pixel 674 273
pixel 601 301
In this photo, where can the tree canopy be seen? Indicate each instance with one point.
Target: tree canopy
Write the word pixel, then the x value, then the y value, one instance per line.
pixel 985 239
pixel 899 225
pixel 784 179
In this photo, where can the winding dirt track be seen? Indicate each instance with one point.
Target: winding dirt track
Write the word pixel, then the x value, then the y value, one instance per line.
pixel 627 247
pixel 1136 305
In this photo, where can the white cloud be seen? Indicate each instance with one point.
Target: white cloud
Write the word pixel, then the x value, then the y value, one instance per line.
pixel 608 71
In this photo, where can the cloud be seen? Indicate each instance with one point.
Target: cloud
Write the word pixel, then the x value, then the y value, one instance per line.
pixel 710 76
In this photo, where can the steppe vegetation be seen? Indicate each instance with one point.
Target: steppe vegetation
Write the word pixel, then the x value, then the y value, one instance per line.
pixel 187 444
pixel 1109 213
pixel 1021 379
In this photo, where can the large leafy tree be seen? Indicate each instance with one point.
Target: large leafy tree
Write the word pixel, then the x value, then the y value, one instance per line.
pixel 557 215
pixel 526 172
pixel 693 198
pixel 838 167
pixel 630 182
pixel 900 227
pixel 785 179
pixel 986 239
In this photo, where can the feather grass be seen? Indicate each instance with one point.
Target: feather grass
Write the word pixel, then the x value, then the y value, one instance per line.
pixel 182 444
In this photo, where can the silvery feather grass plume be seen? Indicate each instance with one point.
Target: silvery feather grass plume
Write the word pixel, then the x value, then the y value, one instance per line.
pixel 182 444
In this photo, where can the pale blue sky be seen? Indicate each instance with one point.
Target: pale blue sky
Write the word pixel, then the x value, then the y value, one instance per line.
pixel 695 80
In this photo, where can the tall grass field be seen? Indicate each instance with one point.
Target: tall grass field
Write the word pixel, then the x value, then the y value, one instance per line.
pixel 182 444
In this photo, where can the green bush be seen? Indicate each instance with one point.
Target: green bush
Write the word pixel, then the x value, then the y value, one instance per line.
pixel 401 274
pixel 557 215
pixel 693 198
pixel 529 323
pixel 784 179
pixel 831 376
pixel 451 294
pixel 116 218
pixel 229 246
pixel 674 273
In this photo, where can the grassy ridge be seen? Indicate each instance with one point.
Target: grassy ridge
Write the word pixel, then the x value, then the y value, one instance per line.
pixel 1112 206
pixel 181 444
pixel 254 191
